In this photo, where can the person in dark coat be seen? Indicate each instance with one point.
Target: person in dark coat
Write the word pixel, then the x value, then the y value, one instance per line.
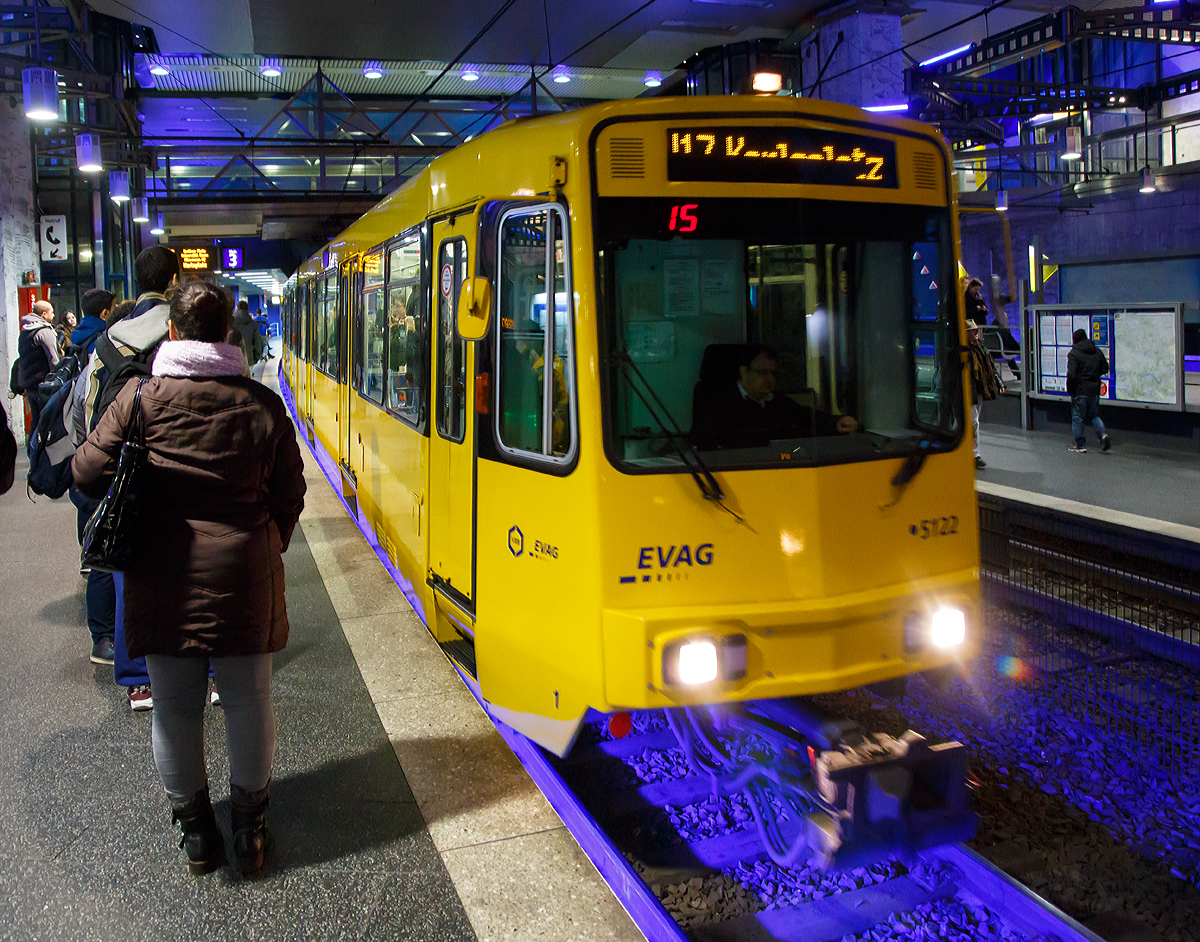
pixel 37 353
pixel 748 414
pixel 1086 366
pixel 97 306
pixel 223 491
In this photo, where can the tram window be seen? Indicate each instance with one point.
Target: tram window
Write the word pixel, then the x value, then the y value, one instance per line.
pixel 451 377
pixel 854 301
pixel 535 413
pixel 373 337
pixel 330 331
pixel 405 383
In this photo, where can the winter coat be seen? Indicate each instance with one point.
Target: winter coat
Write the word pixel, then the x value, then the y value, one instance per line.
pixel 37 351
pixel 1086 365
pixel 245 335
pixel 86 331
pixel 224 489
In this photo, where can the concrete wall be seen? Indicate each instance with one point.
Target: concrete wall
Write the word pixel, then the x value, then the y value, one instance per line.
pixel 18 238
pixel 866 37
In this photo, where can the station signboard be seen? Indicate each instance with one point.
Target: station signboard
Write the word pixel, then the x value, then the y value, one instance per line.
pixel 196 258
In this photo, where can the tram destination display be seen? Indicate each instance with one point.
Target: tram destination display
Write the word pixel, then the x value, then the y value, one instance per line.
pixel 780 155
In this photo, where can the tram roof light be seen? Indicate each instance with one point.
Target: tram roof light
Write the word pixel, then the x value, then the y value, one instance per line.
pixel 767 82
pixel 39 88
pixel 653 78
pixel 946 55
pixel 900 106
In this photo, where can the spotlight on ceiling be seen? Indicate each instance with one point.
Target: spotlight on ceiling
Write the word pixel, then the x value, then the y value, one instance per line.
pixel 159 69
pixel 271 69
pixel 373 70
pixel 562 74
pixel 653 78
pixel 469 75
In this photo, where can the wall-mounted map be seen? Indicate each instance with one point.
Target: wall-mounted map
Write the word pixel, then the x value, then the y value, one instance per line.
pixel 1145 356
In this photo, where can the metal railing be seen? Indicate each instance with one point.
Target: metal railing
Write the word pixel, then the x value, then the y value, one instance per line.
pixel 1102 621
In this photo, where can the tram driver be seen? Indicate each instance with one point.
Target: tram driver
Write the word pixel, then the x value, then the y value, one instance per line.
pixel 747 413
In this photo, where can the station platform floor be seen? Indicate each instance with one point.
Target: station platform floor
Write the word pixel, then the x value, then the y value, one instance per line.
pixel 1132 484
pixel 398 812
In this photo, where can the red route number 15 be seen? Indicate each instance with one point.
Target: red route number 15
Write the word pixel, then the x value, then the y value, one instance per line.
pixel 683 218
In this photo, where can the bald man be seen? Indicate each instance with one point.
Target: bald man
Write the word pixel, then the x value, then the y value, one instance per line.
pixel 37 352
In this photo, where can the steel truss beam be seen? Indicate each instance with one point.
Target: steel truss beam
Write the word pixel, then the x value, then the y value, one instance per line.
pixel 1006 98
pixel 1178 26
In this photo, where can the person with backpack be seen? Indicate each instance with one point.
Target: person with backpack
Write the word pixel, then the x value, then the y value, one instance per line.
pixel 245 335
pixel 985 382
pixel 224 488
pixel 122 352
pixel 97 306
pixel 37 354
pixel 1086 367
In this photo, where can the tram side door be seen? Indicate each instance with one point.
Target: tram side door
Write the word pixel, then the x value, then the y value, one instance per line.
pixel 452 438
pixel 348 329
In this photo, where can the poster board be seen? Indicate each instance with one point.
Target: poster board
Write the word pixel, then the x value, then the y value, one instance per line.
pixel 1142 343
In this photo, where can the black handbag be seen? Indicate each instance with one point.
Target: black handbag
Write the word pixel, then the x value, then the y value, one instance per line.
pixel 110 538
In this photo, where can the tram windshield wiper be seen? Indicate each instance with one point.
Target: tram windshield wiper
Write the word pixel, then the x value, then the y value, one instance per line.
pixel 709 487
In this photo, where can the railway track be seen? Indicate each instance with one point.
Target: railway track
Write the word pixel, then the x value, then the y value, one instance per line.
pixel 942 892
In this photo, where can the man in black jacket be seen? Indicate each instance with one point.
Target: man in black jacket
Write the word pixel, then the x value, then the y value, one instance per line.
pixel 1086 366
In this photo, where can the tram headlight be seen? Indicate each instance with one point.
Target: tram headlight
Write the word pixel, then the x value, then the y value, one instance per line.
pixel 948 628
pixel 691 662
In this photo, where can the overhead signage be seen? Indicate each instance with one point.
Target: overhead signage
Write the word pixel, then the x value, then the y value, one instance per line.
pixel 54 238
pixel 779 155
pixel 196 259
pixel 231 258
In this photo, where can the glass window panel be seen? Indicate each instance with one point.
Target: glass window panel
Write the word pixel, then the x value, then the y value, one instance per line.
pixel 330 330
pixel 405 378
pixel 404 261
pixel 522 331
pixel 452 361
pixel 374 341
pixel 373 270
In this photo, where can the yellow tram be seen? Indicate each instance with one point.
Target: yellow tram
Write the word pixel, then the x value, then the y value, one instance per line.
pixel 540 367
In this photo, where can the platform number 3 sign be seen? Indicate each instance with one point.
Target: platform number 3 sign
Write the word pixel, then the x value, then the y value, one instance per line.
pixel 54 238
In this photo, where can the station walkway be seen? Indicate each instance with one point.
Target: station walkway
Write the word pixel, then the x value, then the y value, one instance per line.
pixel 397 810
pixel 1133 484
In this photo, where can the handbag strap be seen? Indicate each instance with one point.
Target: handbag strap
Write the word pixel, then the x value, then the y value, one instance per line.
pixel 135 415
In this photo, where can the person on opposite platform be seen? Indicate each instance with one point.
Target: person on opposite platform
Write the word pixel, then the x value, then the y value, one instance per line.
pixel 223 491
pixel 1086 367
pixel 985 382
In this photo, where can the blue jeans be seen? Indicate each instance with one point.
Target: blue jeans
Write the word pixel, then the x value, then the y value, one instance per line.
pixel 101 594
pixel 1083 409
pixel 127 671
pixel 177 728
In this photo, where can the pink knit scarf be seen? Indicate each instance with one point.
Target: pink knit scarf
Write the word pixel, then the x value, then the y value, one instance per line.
pixel 194 358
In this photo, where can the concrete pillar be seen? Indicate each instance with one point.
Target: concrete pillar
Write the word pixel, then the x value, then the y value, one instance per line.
pixel 18 238
pixel 852 76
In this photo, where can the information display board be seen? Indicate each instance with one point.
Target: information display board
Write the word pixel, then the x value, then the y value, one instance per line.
pixel 1140 342
pixel 196 258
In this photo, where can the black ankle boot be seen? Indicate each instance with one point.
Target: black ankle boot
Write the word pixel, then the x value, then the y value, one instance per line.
pixel 201 839
pixel 250 835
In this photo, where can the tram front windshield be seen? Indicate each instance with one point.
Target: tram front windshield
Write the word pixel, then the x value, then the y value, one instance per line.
pixel 764 333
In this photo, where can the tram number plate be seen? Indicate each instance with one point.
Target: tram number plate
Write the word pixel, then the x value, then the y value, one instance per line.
pixel 937 526
pixel 756 154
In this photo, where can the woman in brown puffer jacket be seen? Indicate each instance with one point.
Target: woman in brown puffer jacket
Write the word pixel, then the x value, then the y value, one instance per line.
pixel 223 490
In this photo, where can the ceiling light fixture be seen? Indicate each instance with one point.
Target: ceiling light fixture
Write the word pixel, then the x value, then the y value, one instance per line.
pixel 271 69
pixel 767 82
pixel 39 88
pixel 118 186
pixel 1002 201
pixel 902 106
pixel 140 209
pixel 469 75
pixel 653 78
pixel 159 69
pixel 87 152
pixel 562 74
pixel 1074 143
pixel 373 70
pixel 1147 181
pixel 157 228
